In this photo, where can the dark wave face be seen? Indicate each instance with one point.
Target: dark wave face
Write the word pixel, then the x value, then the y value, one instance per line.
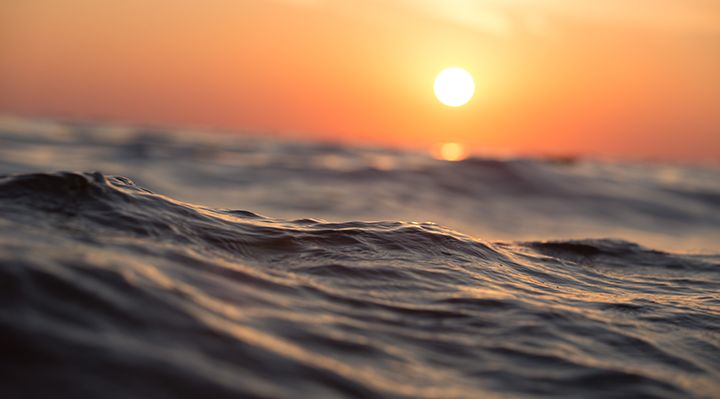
pixel 111 291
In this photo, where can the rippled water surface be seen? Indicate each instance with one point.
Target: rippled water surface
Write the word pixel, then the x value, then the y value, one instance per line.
pixel 111 290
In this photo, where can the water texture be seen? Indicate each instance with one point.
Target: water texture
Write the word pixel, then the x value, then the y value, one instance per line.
pixel 111 290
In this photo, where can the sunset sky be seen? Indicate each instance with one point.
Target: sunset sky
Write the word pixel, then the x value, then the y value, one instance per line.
pixel 635 78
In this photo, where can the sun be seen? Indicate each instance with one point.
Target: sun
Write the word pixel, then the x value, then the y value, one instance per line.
pixel 454 87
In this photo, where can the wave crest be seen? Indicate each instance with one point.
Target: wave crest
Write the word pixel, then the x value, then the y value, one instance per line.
pixel 115 291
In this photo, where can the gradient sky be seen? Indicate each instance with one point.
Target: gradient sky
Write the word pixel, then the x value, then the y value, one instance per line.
pixel 638 78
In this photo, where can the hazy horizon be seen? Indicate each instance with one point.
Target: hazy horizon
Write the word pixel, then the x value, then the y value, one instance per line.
pixel 618 79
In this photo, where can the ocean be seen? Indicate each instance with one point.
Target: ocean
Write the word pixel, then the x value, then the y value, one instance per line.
pixel 147 262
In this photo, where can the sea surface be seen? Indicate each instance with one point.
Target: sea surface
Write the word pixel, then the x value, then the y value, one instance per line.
pixel 145 262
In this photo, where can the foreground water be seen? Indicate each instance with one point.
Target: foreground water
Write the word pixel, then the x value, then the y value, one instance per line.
pixel 110 290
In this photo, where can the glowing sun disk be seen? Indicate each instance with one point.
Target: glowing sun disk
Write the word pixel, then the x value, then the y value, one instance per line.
pixel 454 87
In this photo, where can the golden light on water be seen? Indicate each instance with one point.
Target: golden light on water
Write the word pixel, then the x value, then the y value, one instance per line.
pixel 451 152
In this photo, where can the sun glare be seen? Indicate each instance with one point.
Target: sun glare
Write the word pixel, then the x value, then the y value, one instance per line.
pixel 454 87
pixel 451 152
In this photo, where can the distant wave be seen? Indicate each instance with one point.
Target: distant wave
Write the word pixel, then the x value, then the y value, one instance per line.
pixel 670 207
pixel 112 291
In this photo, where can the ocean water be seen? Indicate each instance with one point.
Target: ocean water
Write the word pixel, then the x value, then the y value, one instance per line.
pixel 139 262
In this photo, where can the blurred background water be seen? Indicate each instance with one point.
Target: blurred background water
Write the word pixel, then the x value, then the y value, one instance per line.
pixel 667 206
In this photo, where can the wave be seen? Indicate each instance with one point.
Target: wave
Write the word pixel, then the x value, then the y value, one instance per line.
pixel 111 290
pixel 668 206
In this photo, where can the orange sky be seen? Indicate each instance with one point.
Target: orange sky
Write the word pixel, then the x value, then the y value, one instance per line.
pixel 636 78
